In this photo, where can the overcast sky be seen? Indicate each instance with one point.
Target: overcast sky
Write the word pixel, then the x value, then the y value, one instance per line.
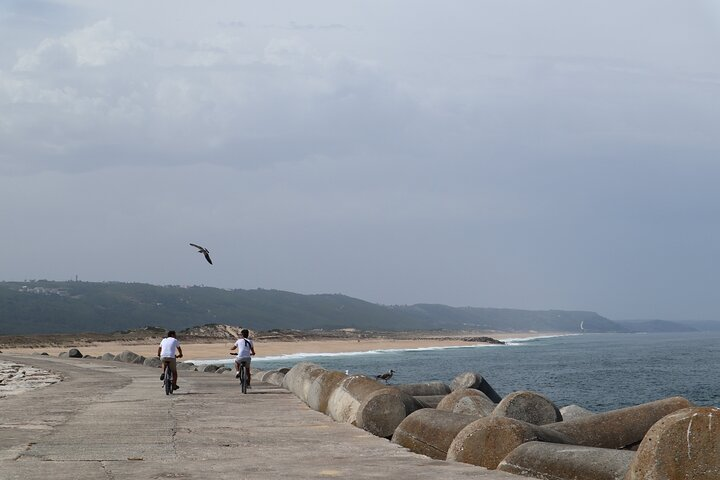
pixel 505 153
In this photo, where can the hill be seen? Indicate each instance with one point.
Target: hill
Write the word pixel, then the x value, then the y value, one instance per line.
pixel 55 307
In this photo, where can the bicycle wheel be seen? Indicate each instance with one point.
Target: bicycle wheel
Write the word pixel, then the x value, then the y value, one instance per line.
pixel 243 378
pixel 168 381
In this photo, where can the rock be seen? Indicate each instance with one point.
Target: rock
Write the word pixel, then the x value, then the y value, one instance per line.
pixel 486 441
pixel 430 432
pixel 682 445
pixel 618 428
pixel 567 462
pixel 529 407
pixel 45 354
pixel 107 356
pixel 222 370
pixel 467 401
pixel 154 362
pixel 186 366
pixel 63 354
pixel 129 357
pixel 74 353
pixel 476 381
pixel 209 368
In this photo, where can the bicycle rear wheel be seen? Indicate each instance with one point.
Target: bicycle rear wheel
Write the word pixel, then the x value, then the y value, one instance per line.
pixel 168 380
pixel 243 378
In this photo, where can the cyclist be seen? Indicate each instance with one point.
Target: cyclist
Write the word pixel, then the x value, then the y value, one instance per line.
pixel 245 349
pixel 166 352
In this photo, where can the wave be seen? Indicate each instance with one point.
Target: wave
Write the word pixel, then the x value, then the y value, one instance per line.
pixel 520 341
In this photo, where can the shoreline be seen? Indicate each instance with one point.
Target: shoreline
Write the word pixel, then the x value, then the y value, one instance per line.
pixel 275 349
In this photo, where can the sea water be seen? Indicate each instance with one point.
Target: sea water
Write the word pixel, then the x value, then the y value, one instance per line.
pixel 596 371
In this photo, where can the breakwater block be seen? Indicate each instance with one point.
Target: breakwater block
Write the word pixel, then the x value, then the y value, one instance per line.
pixel 682 445
pixel 429 401
pixel 467 401
pixel 75 353
pixel 476 381
pixel 298 378
pixel 107 356
pixel 430 432
pixel 567 462
pixel 322 387
pixel 620 428
pixel 571 412
pixel 381 411
pixel 152 362
pixel 530 407
pixel 487 441
pixel 129 357
pixel 426 388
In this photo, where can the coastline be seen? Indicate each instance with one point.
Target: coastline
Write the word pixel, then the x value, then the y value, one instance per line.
pixel 273 348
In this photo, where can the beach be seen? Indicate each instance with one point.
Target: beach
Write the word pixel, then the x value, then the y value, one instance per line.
pixel 218 349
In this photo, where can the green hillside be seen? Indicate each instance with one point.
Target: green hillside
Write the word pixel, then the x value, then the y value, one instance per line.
pixel 64 307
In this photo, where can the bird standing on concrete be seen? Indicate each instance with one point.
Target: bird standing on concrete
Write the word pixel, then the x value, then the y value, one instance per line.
pixel 204 251
pixel 386 376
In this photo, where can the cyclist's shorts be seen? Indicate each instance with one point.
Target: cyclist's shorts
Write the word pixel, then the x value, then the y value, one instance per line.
pixel 243 359
pixel 171 361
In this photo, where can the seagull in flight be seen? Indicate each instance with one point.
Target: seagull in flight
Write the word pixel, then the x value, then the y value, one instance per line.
pixel 204 251
pixel 386 376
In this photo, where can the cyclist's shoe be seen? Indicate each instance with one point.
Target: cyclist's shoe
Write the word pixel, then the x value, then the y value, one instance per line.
pixel 175 387
pixel 162 376
pixel 237 375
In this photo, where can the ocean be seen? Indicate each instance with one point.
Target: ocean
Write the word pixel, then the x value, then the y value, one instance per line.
pixel 598 372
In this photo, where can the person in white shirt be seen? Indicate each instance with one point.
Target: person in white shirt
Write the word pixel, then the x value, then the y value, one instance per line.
pixel 245 349
pixel 166 352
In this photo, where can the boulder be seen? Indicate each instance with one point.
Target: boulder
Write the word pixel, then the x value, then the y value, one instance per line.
pixel 222 370
pixel 620 428
pixel 152 362
pixel 63 355
pixel 566 462
pixel 682 445
pixel 75 353
pixel 209 368
pixel 430 432
pixel 529 407
pixel 107 356
pixel 186 366
pixel 467 401
pixel 476 381
pixel 486 441
pixel 129 357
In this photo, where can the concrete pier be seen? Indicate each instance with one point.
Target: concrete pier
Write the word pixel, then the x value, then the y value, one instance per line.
pixel 111 420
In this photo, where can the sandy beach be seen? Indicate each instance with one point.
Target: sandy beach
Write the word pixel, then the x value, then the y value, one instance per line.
pixel 221 349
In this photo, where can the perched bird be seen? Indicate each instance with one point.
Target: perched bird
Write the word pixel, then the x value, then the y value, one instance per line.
pixel 386 376
pixel 204 251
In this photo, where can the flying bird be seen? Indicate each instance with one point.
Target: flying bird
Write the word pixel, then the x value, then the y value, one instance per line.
pixel 386 376
pixel 204 251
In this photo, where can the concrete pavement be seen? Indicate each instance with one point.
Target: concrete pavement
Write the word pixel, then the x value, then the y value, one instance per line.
pixel 111 420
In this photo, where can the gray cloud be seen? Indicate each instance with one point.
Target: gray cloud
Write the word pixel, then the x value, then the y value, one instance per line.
pixel 549 156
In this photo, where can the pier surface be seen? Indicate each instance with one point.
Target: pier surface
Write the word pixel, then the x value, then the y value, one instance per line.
pixel 112 420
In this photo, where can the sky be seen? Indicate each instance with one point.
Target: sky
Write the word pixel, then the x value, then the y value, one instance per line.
pixel 492 153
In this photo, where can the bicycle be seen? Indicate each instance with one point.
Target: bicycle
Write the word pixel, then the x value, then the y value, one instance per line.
pixel 243 376
pixel 168 379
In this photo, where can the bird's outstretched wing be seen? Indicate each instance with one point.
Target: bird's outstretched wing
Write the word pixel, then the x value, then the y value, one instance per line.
pixel 198 247
pixel 207 257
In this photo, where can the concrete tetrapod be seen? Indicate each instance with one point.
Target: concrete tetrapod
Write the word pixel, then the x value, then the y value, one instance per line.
pixel 485 442
pixel 476 381
pixel 682 445
pixel 429 401
pixel 618 428
pixel 345 399
pixel 571 412
pixel 529 407
pixel 322 387
pixel 467 401
pixel 427 388
pixel 567 462
pixel 299 378
pixel 383 410
pixel 430 432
